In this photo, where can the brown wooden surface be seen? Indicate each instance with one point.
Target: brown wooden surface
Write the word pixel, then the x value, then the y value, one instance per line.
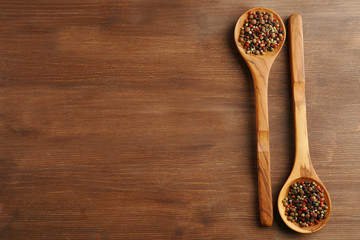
pixel 136 119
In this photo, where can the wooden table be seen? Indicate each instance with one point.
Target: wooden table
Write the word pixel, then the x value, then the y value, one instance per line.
pixel 136 119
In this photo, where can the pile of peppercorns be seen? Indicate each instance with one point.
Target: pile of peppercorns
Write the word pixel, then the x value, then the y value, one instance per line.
pixel 261 33
pixel 305 203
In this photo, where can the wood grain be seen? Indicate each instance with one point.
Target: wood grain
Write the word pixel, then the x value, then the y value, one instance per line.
pixel 136 119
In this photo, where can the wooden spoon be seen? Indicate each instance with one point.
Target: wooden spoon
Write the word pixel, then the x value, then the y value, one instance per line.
pixel 303 169
pixel 260 67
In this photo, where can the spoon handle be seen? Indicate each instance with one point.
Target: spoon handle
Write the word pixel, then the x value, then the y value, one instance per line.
pixel 263 148
pixel 302 153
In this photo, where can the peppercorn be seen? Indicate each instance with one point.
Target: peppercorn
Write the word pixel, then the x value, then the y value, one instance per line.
pixel 309 206
pixel 260 33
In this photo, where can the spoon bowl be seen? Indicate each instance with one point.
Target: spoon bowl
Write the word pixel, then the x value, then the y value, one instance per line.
pixel 269 57
pixel 303 169
pixel 259 66
pixel 283 193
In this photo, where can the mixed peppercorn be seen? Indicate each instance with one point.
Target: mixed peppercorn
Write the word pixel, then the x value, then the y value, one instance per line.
pixel 305 203
pixel 261 33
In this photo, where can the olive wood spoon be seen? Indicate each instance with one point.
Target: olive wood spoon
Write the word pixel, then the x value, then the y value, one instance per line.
pixel 303 169
pixel 259 66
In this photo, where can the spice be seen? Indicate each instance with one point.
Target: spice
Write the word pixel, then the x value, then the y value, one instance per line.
pixel 260 33
pixel 305 203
